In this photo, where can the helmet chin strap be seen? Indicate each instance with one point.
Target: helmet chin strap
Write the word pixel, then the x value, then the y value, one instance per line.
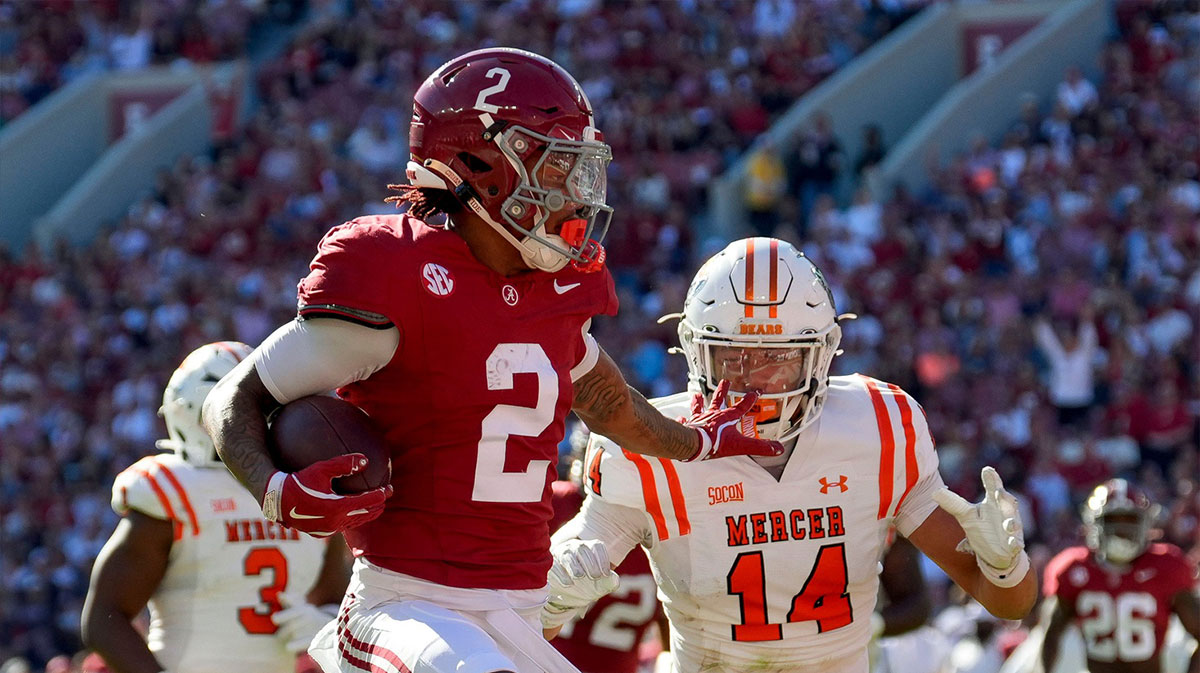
pixel 536 254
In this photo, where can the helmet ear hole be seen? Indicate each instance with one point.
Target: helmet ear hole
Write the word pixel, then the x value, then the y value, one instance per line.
pixel 474 163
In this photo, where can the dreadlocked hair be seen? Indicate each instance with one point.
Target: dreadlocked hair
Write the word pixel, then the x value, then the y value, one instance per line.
pixel 424 202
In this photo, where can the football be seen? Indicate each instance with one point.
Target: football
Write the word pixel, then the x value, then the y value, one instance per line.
pixel 318 427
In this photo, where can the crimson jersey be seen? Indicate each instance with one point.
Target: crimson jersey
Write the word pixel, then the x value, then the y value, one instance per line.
pixel 473 401
pixel 1122 612
pixel 606 638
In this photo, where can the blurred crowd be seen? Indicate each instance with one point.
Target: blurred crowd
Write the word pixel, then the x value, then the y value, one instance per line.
pixel 46 44
pixel 1039 299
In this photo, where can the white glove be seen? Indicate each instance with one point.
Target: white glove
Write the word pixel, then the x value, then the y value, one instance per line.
pixel 299 621
pixel 994 531
pixel 664 663
pixel 580 575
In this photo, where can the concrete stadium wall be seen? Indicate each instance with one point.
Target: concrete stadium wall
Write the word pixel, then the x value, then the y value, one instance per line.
pixel 45 150
pixel 896 83
pixel 128 169
pixel 988 101
pixel 65 164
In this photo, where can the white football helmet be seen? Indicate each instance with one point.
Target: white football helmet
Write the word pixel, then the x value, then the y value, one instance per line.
pixel 761 315
pixel 184 397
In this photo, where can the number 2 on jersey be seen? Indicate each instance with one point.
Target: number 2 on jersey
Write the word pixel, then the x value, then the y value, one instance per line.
pixel 492 483
pixel 257 618
pixel 823 598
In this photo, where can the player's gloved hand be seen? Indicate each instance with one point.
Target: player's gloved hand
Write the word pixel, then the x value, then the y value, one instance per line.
pixel 580 575
pixel 299 621
pixel 993 527
pixel 306 501
pixel 720 429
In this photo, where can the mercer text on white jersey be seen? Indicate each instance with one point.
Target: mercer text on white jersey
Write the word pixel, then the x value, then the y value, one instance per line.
pixel 763 574
pixel 212 611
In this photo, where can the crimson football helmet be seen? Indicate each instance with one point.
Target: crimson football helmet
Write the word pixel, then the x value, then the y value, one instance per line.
pixel 761 315
pixel 1117 518
pixel 512 135
pixel 184 396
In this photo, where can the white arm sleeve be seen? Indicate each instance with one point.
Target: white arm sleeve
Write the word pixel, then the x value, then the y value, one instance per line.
pixel 313 356
pixel 620 528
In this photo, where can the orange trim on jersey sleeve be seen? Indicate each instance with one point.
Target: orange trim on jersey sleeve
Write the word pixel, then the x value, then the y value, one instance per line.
pixel 649 492
pixel 774 277
pixel 749 278
pixel 187 503
pixel 911 470
pixel 887 454
pixel 162 500
pixel 677 501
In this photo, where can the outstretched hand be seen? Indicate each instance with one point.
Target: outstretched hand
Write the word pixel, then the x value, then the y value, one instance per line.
pixel 993 528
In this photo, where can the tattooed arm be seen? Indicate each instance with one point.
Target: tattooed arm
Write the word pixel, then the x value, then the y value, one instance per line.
pixel 612 408
pixel 235 414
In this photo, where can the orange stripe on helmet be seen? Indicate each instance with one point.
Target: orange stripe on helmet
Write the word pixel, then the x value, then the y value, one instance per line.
pixel 750 278
pixel 677 501
pixel 649 492
pixel 911 471
pixel 228 348
pixel 774 313
pixel 887 454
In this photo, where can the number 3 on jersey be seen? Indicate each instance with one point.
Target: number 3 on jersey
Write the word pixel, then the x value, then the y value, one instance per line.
pixel 257 619
pixel 823 598
pixel 492 483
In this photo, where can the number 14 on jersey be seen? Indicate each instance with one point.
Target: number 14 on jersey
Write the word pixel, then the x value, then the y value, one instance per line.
pixel 823 598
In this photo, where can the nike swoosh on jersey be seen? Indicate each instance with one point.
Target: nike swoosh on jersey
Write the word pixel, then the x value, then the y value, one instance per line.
pixel 563 289
pixel 296 515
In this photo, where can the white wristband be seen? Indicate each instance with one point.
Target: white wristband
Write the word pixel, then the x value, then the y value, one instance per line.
pixel 706 447
pixel 1007 577
pixel 270 504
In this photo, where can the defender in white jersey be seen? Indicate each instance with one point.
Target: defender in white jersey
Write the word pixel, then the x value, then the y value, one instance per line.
pixel 773 564
pixel 226 588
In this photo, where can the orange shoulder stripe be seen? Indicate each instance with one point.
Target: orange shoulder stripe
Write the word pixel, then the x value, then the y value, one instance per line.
pixel 911 471
pixel 677 501
pixel 649 492
pixel 887 454
pixel 162 500
pixel 183 496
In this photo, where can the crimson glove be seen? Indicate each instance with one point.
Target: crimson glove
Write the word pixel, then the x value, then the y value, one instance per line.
pixel 306 501
pixel 720 429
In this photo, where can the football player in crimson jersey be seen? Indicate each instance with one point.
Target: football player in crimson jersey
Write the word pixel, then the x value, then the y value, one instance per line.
pixel 1120 589
pixel 775 559
pixel 226 588
pixel 461 328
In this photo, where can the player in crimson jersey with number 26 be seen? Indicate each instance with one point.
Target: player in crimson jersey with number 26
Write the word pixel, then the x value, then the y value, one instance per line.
pixel 1120 589
pixel 771 563
pixel 461 329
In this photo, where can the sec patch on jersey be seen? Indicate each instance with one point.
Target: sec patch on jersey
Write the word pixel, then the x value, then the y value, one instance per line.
pixel 314 428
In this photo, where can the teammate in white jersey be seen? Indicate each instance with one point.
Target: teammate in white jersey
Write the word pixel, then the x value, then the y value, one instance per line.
pixel 772 564
pixel 227 589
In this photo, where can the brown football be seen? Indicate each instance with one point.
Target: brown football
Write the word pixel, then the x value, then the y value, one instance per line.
pixel 314 428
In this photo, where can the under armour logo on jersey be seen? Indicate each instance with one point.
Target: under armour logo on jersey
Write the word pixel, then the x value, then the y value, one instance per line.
pixel 509 294
pixel 437 279
pixel 840 483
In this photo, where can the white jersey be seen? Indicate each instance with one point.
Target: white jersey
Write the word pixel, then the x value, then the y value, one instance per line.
pixel 766 575
pixel 212 611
